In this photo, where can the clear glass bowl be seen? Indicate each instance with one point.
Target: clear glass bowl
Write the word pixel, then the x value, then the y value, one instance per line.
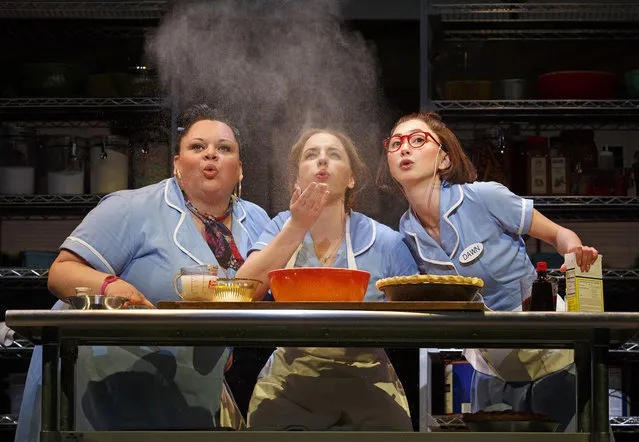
pixel 235 289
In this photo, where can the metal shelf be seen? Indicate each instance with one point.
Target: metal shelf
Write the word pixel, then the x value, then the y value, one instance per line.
pixel 536 11
pixel 46 206
pixel 125 103
pixel 51 32
pixel 21 349
pixel 576 202
pixel 618 283
pixel 588 208
pixel 608 274
pixel 114 9
pixel 21 278
pixel 625 423
pixel 62 124
pixel 453 422
pixel 461 35
pixel 630 346
pixel 8 420
pixel 527 126
pixel 456 422
pixel 537 108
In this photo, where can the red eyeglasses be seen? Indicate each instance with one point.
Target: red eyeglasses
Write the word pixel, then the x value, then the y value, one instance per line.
pixel 415 140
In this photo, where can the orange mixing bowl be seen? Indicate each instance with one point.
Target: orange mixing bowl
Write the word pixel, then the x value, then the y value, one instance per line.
pixel 313 284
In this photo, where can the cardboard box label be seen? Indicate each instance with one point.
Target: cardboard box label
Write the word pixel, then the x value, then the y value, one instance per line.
pixel 584 290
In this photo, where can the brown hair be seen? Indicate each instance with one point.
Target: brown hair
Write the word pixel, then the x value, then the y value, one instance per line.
pixel 460 170
pixel 359 169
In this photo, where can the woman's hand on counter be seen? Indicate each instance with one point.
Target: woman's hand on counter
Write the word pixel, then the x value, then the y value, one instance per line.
pixel 126 290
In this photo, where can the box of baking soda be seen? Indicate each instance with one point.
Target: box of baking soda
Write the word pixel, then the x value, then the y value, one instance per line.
pixel 584 290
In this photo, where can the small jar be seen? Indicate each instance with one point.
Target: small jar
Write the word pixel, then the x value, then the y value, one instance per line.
pixel 79 291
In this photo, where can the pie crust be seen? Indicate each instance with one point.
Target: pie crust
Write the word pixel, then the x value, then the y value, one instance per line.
pixel 430 279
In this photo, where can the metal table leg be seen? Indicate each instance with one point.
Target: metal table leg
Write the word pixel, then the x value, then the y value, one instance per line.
pixel 50 390
pixel 69 354
pixel 584 387
pixel 600 414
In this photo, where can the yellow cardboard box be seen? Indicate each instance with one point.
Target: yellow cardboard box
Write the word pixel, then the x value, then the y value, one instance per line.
pixel 584 290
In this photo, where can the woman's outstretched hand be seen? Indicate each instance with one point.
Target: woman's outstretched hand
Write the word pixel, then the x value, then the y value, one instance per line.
pixel 307 205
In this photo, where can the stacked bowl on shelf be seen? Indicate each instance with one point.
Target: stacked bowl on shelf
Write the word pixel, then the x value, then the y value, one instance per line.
pixel 561 85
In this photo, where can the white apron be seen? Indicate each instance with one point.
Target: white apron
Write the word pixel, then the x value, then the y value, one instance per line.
pixel 321 388
pixel 523 364
pixel 129 387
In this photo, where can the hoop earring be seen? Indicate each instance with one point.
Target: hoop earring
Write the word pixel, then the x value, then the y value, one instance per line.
pixel 178 174
pixel 237 192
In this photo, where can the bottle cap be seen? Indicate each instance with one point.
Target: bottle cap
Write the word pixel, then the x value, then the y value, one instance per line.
pixel 541 265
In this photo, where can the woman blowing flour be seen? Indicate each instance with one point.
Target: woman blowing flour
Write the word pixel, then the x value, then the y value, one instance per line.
pixel 328 388
pixel 131 245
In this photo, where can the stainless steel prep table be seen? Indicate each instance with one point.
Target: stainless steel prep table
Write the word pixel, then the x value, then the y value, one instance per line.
pixel 60 332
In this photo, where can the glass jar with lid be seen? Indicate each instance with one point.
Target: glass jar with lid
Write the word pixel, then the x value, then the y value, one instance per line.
pixel 79 291
pixel 18 149
pixel 109 156
pixel 66 160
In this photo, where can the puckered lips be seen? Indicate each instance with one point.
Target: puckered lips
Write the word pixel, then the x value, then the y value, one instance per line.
pixel 322 175
pixel 406 164
pixel 210 171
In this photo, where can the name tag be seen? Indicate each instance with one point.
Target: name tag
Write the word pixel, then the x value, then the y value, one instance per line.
pixel 471 253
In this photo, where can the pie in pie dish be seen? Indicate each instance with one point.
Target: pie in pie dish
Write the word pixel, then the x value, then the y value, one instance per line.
pixel 429 279
pixel 430 288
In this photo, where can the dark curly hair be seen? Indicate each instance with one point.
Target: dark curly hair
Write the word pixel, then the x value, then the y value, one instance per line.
pixel 200 112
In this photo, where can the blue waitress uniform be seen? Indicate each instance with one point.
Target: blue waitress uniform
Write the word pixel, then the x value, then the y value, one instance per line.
pixel 480 232
pixel 336 388
pixel 144 236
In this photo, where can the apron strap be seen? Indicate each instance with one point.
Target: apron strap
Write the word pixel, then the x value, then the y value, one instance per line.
pixel 350 256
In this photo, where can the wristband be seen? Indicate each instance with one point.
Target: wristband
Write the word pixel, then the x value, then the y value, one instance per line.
pixel 108 280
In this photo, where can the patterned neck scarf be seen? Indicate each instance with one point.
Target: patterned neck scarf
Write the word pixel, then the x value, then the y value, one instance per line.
pixel 219 237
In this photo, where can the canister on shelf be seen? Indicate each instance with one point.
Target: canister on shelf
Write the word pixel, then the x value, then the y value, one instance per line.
pixel 17 160
pixel 109 158
pixel 66 160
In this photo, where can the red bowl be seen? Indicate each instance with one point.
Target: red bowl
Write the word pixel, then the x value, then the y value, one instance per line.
pixel 318 284
pixel 577 85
